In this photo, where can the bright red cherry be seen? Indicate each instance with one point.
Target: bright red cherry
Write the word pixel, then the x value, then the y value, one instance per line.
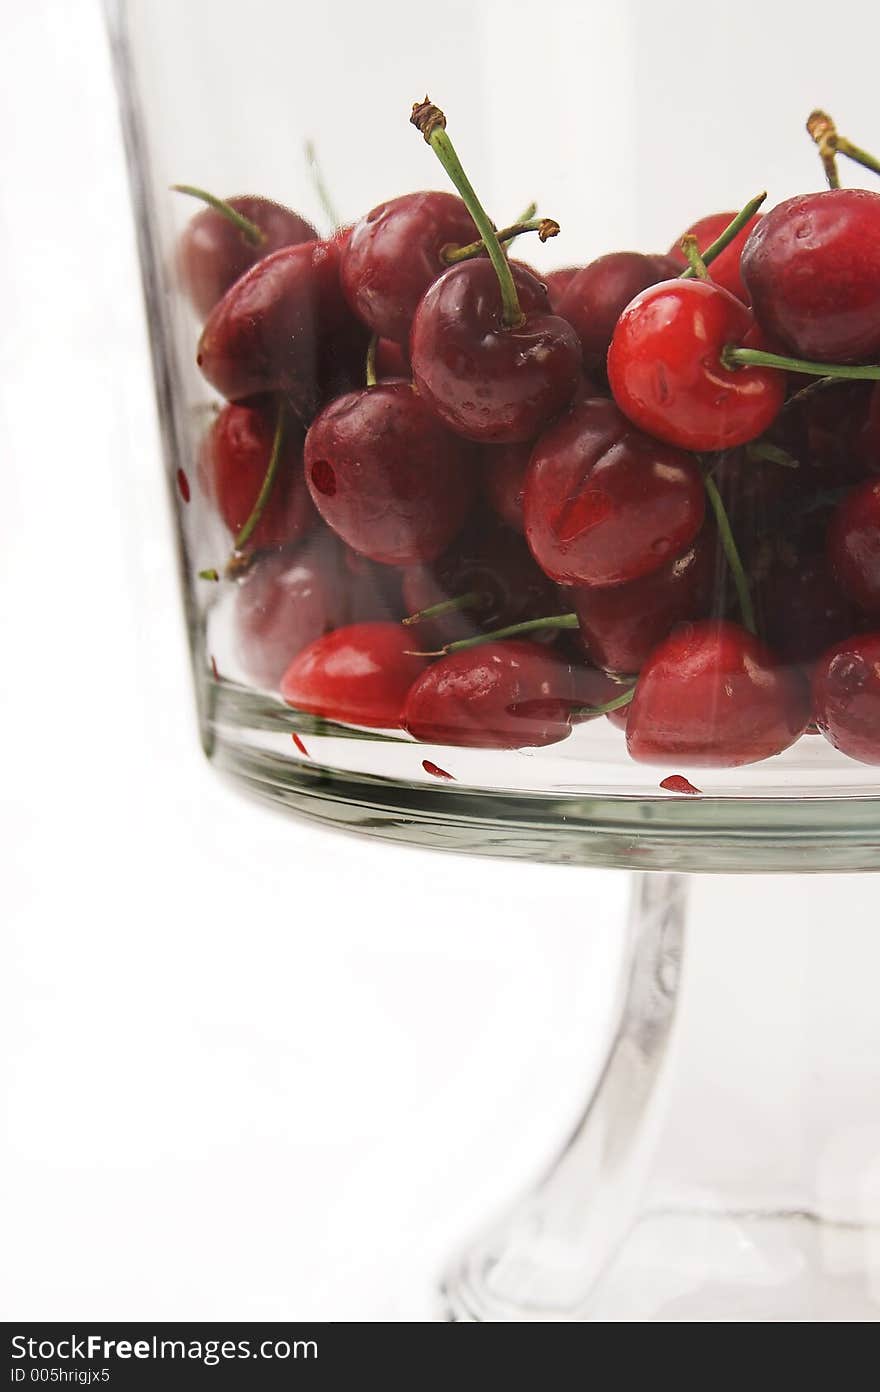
pixel 726 266
pixel 846 697
pixel 605 504
pixel 621 625
pixel 233 461
pixel 854 546
pixel 394 254
pixel 358 675
pixel 386 475
pixel 487 382
pixel 597 296
pixel 508 695
pixel 714 694
pixel 289 598
pixel 812 270
pixel 275 327
pixel 212 252
pixel 666 373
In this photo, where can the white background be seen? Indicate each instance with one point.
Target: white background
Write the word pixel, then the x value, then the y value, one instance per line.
pixel 250 1069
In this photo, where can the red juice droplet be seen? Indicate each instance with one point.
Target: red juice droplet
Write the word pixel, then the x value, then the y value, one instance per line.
pixel 300 746
pixel 436 770
pixel 183 485
pixel 677 783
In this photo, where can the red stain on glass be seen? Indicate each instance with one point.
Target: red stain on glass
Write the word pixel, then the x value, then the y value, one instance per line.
pixel 300 746
pixel 436 770
pixel 677 783
pixel 183 485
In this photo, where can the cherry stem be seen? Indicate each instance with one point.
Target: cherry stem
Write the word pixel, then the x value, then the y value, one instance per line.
pixel 823 131
pixel 249 230
pixel 607 706
pixel 764 450
pixel 731 552
pixel 528 213
pixel 733 357
pixel 324 198
pixel 726 237
pixel 430 121
pixel 528 626
pixel 545 228
pixel 209 574
pixel 696 264
pixel 472 600
pixel 247 531
pixel 372 379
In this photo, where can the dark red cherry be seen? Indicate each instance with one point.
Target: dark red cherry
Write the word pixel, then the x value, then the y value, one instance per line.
pixel 556 283
pixel 714 694
pixel 490 562
pixel 868 442
pixel 812 271
pixel 393 255
pixel 825 429
pixel 212 252
pixel 392 360
pixel 725 269
pixel 504 480
pixel 358 675
pixel 508 695
pixel 666 373
pixel 386 475
pixel 801 610
pixel 592 688
pixel 605 504
pixel 846 697
pixel 489 383
pixel 289 598
pixel 233 461
pixel 274 328
pixel 622 624
pixel 854 546
pixel 597 296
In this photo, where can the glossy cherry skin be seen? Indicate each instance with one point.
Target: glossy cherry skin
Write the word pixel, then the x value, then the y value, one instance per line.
pixel 489 383
pixel 557 282
pixel 725 269
pixel 359 675
pixel 621 625
pixel 233 461
pixel 492 561
pixel 597 296
pixel 854 546
pixel 846 697
pixel 508 695
pixel 812 271
pixel 605 504
pixel 274 328
pixel 713 694
pixel 289 598
pixel 665 370
pixel 394 254
pixel 212 253
pixel 504 481
pixel 386 476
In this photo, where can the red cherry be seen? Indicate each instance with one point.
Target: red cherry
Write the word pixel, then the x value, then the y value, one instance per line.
pixel 392 360
pixel 504 481
pixel 665 368
pixel 593 688
pixel 854 545
pixel 498 696
pixel 714 694
pixel 556 283
pixel 359 675
pixel 233 461
pixel 826 430
pixel 605 504
pixel 212 252
pixel 812 270
pixel 846 697
pixel 487 560
pixel 598 295
pixel 801 610
pixel 272 330
pixel 868 442
pixel 622 624
pixel 393 255
pixel 726 266
pixel 289 598
pixel 487 382
pixel 386 475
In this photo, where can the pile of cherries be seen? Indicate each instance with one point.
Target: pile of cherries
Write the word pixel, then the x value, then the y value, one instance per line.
pixel 483 505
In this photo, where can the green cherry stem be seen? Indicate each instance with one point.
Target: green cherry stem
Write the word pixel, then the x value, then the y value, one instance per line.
pixel 733 357
pixel 528 213
pixel 249 230
pixel 472 600
pixel 371 361
pixel 430 121
pixel 607 706
pixel 696 264
pixel 210 574
pixel 726 237
pixel 545 228
pixel 764 451
pixel 326 202
pixel 250 525
pixel 731 552
pixel 512 630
